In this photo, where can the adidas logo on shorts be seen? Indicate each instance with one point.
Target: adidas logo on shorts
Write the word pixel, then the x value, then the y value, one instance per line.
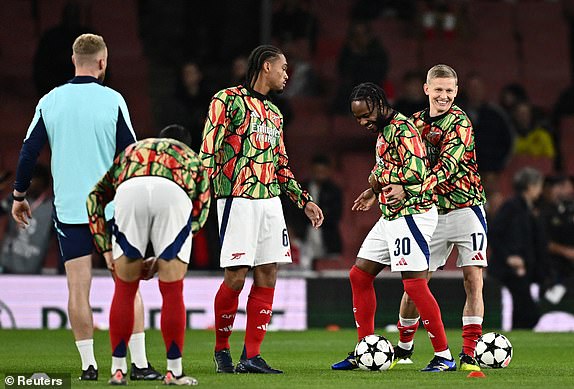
pixel 401 262
pixel 478 257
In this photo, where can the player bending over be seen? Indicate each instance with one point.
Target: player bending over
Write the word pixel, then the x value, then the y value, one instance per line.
pixel 161 192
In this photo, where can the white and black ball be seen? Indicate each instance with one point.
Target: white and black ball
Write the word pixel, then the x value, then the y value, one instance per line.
pixel 374 352
pixel 493 350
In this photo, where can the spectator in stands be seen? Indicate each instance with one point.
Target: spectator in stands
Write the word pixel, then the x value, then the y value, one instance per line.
pixel 326 242
pixel 510 95
pixel 534 136
pixel 492 131
pixel 52 65
pixel 238 70
pixel 303 80
pixel 293 21
pixel 412 98
pixel 361 59
pixel 519 245
pixel 24 250
pixel 193 95
pixel 557 213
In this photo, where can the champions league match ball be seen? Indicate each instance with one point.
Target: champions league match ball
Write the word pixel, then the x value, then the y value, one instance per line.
pixel 374 353
pixel 493 350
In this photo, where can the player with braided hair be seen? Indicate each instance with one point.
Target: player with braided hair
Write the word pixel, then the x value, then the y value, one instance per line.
pixel 400 238
pixel 244 154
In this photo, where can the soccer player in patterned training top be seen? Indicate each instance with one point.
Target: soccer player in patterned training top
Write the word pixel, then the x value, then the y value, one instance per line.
pixel 161 191
pixel 244 152
pixel 400 239
pixel 86 124
pixel 449 140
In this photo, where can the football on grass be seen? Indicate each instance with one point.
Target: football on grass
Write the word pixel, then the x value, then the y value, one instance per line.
pixel 374 352
pixel 493 350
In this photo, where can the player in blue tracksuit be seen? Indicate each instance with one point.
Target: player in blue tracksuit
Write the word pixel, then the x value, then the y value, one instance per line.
pixel 86 125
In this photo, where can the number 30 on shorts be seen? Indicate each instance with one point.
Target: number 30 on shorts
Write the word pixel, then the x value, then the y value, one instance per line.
pixel 402 246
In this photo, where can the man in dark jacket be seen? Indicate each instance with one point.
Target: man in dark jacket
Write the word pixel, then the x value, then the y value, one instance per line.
pixel 519 246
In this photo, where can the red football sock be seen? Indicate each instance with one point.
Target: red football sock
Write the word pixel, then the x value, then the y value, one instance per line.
pixel 259 310
pixel 419 292
pixel 470 334
pixel 364 301
pixel 225 307
pixel 122 315
pixel 407 333
pixel 172 317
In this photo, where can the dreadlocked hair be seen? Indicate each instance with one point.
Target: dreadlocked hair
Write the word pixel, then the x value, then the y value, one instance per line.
pixel 372 94
pixel 256 60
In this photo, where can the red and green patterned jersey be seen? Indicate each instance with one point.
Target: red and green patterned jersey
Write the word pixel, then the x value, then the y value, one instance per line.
pixel 401 159
pixel 449 140
pixel 150 157
pixel 243 148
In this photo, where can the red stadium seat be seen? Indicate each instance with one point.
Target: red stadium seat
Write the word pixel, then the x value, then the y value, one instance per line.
pixel 517 162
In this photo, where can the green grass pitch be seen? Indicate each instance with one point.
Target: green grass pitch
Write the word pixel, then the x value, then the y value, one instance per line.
pixel 540 360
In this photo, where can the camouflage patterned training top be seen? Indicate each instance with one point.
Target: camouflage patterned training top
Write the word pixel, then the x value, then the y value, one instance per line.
pixel 158 157
pixel 243 148
pixel 449 140
pixel 400 155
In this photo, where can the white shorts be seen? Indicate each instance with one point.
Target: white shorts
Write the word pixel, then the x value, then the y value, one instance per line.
pixel 464 228
pixel 403 243
pixel 152 209
pixel 252 232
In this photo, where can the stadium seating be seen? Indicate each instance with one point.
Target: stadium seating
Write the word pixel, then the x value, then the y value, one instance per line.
pixel 523 41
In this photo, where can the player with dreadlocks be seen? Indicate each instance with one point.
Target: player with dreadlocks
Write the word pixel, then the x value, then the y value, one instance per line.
pixel 400 238
pixel 244 153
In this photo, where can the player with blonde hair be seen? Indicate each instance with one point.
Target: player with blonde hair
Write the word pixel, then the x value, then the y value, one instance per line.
pixel 86 124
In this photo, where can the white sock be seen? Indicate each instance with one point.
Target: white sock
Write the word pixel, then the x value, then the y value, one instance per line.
pixel 137 350
pixel 405 322
pixel 119 364
pixel 406 346
pixel 174 365
pixel 445 354
pixel 466 320
pixel 86 350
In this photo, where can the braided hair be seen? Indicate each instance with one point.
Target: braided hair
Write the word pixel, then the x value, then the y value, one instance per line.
pixel 256 60
pixel 372 94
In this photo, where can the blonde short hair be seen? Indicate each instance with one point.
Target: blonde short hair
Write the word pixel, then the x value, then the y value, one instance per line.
pixel 441 71
pixel 88 45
